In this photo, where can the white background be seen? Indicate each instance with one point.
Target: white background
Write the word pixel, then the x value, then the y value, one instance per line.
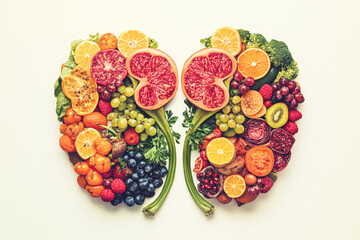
pixel 316 197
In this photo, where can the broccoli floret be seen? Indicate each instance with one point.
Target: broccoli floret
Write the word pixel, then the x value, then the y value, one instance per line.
pixel 256 41
pixel 279 53
pixel 290 72
pixel 244 34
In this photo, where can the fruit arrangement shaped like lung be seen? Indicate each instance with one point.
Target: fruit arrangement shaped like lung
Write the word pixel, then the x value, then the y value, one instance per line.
pixel 241 116
pixel 110 101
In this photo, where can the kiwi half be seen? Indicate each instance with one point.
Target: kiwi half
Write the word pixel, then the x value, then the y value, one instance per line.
pixel 277 115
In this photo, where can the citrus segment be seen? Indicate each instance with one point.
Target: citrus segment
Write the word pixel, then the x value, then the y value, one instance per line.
pixel 85 143
pixel 251 103
pixel 234 186
pixel 84 52
pixel 132 40
pixel 228 39
pixel 254 62
pixel 220 152
pixel 258 114
pixel 259 160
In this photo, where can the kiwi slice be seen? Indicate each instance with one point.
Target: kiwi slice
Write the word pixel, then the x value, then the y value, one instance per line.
pixel 277 115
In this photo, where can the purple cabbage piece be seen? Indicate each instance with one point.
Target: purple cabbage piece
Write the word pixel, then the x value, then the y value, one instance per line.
pixel 256 132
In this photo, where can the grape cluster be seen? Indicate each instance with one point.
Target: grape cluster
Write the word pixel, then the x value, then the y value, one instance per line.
pixel 240 84
pixel 125 114
pixel 231 119
pixel 289 92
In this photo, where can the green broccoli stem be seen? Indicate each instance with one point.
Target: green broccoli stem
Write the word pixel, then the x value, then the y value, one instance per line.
pixel 160 118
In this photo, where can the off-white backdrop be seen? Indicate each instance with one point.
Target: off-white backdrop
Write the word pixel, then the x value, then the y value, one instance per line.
pixel 316 197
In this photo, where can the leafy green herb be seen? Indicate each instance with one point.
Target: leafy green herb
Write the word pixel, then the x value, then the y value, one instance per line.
pixel 159 153
pixel 62 102
pixel 188 114
pixel 172 120
pixel 94 38
pixel 70 63
pixel 153 43
pixel 206 42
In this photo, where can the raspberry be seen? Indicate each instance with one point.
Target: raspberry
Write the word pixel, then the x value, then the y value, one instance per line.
pixel 107 195
pixel 266 91
pixel 268 103
pixel 118 186
pixel 294 115
pixel 105 107
pixel 265 184
pixel 291 127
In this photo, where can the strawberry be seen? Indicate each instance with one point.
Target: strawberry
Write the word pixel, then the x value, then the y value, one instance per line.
pixel 294 115
pixel 105 107
pixel 266 91
pixel 291 127
pixel 121 173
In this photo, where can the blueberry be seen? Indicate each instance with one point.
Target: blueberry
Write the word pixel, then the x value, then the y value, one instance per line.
pixel 163 171
pixel 127 193
pixel 151 179
pixel 148 194
pixel 139 157
pixel 143 183
pixel 158 182
pixel 116 201
pixel 155 166
pixel 119 195
pixel 139 199
pixel 129 200
pixel 135 176
pixel 141 172
pixel 133 187
pixel 156 173
pixel 128 182
pixel 137 192
pixel 142 164
pixel 131 153
pixel 150 188
pixel 148 168
pixel 125 158
pixel 131 163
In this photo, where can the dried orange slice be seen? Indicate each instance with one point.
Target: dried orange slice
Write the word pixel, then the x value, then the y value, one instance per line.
pixel 234 186
pixel 251 103
pixel 130 41
pixel 83 94
pixel 220 152
pixel 84 52
pixel 254 62
pixel 259 114
pixel 228 39
pixel 85 143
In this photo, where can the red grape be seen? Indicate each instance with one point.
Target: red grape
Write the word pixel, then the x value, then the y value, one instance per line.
pixel 299 97
pixel 284 90
pixel 234 84
pixel 283 81
pixel 243 89
pixel 249 81
pixel 118 83
pixel 278 95
pixel 238 76
pixel 111 88
pixel 291 85
pixel 289 97
pixel 296 90
pixel 106 95
pixel 100 88
pixel 293 104
pixel 275 86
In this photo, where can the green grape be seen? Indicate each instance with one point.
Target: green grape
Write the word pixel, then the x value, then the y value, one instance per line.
pixel 126 112
pixel 151 121
pixel 140 117
pixel 235 91
pixel 131 106
pixel 226 109
pixel 137 110
pixel 145 120
pixel 224 118
pixel 240 119
pixel 139 128
pixel 151 131
pixel 217 116
pixel 122 106
pixel 111 116
pixel 130 100
pixel 236 99
pixel 223 127
pixel 123 98
pixel 133 114
pixel 115 102
pixel 122 129
pixel 115 95
pixel 147 125
pixel 116 111
pixel 231 123
pixel 236 109
pixel 129 91
pixel 114 122
pixel 218 122
pixel 239 129
pixel 232 116
pixel 132 122
pixel 121 89
pixel 122 123
pixel 143 136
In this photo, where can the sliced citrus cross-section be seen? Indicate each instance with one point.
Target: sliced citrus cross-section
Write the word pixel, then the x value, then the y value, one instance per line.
pixel 220 152
pixel 85 143
pixel 254 62
pixel 251 103
pixel 132 40
pixel 84 52
pixel 234 186
pixel 228 39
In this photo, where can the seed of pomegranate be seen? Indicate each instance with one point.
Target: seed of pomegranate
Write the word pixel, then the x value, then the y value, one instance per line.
pixel 111 88
pixel 249 81
pixel 238 76
pixel 216 174
pixel 278 95
pixel 283 81
pixel 100 88
pixel 243 89
pixel 289 97
pixel 211 182
pixel 216 182
pixel 215 178
pixel 210 173
pixel 206 181
pixel 291 85
pixel 284 90
pixel 234 84
pixel 118 83
pixel 299 97
pixel 296 90
pixel 207 186
pixel 275 86
pixel 214 189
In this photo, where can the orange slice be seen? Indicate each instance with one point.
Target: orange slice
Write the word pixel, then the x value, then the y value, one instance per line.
pixel 259 114
pixel 228 39
pixel 84 52
pixel 83 94
pixel 130 41
pixel 220 152
pixel 234 186
pixel 251 103
pixel 85 143
pixel 254 62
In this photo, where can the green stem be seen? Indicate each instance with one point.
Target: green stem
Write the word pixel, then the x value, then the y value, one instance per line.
pixel 160 118
pixel 112 131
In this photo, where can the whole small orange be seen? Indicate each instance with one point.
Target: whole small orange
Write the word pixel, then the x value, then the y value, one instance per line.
pixel 81 181
pixel 95 191
pixel 94 178
pixel 102 146
pixel 82 168
pixel 67 144
pixel 93 119
pixel 71 116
